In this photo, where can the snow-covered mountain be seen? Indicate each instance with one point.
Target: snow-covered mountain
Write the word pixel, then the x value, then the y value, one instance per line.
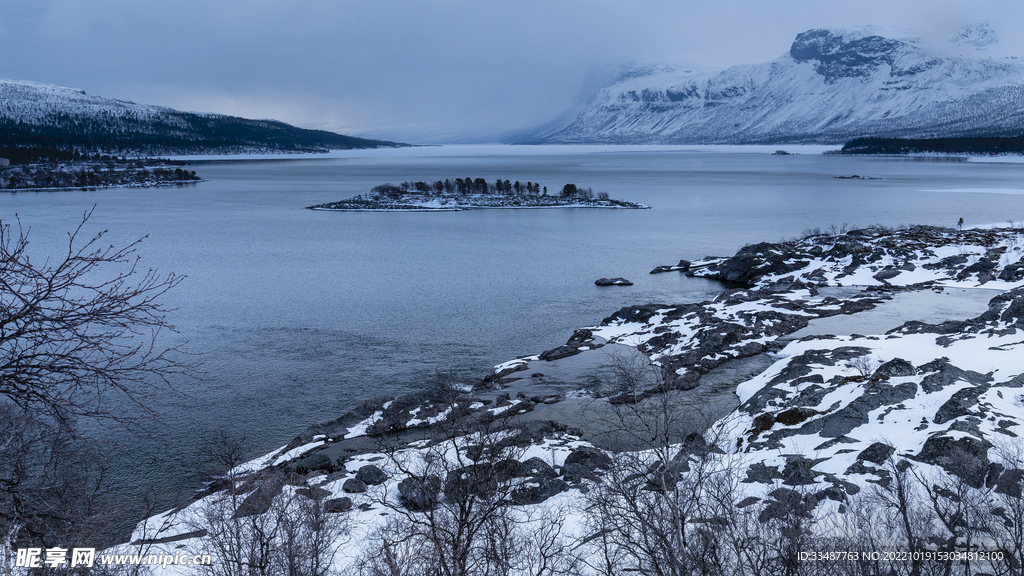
pixel 832 85
pixel 37 115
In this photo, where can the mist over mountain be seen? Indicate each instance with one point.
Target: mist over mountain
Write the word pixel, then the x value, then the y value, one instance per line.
pixel 831 86
pixel 36 115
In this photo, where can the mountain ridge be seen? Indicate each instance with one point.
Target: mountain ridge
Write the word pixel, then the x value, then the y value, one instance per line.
pixel 831 86
pixel 47 116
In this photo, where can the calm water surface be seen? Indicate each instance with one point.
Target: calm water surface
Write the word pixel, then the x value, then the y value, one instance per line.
pixel 299 315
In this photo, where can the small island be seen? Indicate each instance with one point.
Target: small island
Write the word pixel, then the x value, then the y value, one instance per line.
pixel 473 194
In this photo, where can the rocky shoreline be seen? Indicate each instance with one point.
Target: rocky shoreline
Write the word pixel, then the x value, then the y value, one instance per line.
pixel 818 419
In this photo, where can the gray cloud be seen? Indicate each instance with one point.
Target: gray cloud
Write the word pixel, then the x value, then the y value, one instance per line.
pixel 413 70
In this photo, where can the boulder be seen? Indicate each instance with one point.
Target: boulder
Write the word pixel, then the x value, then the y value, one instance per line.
pixel 535 467
pixel 314 462
pixel 336 505
pixel 371 475
pixel 959 404
pixel 966 457
pixel 419 494
pixel 261 498
pixel 877 453
pixel 583 462
pixel 481 479
pixel 894 368
pixel 354 486
pixel 1013 272
pixel 538 489
pixel 313 493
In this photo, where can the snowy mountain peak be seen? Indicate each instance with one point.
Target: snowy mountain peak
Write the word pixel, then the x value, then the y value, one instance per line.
pixel 832 86
pixel 981 36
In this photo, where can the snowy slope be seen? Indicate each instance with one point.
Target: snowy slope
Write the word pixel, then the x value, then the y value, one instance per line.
pixel 37 115
pixel 35 102
pixel 831 86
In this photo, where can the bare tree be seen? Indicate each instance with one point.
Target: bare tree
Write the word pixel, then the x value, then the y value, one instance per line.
pixel 456 513
pixel 654 512
pixel 51 485
pixel 81 326
pixel 79 336
pixel 257 525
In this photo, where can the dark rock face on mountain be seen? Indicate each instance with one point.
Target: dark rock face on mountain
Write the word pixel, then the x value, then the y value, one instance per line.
pixel 834 56
pixel 831 86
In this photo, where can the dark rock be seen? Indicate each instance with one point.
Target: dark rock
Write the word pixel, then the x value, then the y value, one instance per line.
pixel 887 273
pixel 798 471
pixel 878 453
pixel 758 260
pixel 261 498
pixel 583 462
pixel 537 490
pixel 613 282
pixel 563 351
pixel 419 494
pixel 795 415
pixel 482 479
pixel 995 469
pixel 695 444
pixel 1013 272
pixel 762 474
pixel 946 374
pixel 683 266
pixel 354 486
pixel 855 306
pixel 535 467
pixel 895 368
pixel 634 314
pixel 831 493
pixel 949 262
pixel 337 505
pixel 959 404
pixel 764 422
pixel 786 502
pixel 966 457
pixel 748 501
pixel 667 476
pixel 1009 482
pixel 314 462
pixel 980 267
pixel 313 493
pixel 876 394
pixel 371 475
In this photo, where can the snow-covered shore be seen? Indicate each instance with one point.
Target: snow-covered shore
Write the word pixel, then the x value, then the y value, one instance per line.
pixel 830 419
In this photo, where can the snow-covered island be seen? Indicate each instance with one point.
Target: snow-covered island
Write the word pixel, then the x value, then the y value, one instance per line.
pixel 472 194
pixel 856 405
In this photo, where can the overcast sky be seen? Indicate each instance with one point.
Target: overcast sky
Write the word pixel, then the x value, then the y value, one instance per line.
pixel 417 71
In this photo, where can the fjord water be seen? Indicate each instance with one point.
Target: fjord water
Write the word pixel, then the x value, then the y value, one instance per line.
pixel 298 315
